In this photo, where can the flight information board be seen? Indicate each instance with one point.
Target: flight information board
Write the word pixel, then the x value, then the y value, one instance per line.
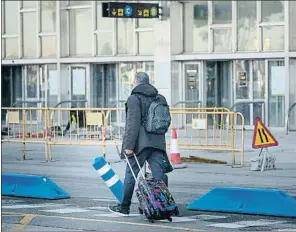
pixel 130 10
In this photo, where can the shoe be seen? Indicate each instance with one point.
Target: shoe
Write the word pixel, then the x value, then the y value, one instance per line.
pixel 117 209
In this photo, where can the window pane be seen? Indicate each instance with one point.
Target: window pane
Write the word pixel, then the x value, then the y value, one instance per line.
pixel 48 16
pixel 292 28
pixel 273 38
pixel 48 46
pixel 81 32
pixel 10 17
pixel 259 79
pixel 31 81
pixel 126 75
pixel 125 33
pixel 64 33
pixel 11 46
pixel 222 12
pixel 104 43
pixel 276 100
pixel 272 11
pixel 246 23
pixel 196 27
pixel 79 3
pixel 146 42
pixel 146 23
pixel 29 34
pixel 104 24
pixel 104 38
pixel 29 4
pixel 222 40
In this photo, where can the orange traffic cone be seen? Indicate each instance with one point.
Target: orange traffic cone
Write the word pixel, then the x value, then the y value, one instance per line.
pixel 175 156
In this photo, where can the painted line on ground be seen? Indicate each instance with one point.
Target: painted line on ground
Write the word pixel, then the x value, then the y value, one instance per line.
pixel 32 206
pixel 23 223
pixel 114 222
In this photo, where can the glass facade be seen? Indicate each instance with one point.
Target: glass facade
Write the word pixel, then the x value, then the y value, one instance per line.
pixel 222 41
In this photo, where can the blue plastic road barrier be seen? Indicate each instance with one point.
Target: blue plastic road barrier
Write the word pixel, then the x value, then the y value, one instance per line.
pixel 34 186
pixel 246 201
pixel 109 177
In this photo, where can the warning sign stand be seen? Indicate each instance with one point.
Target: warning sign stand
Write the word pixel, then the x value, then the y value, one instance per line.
pixel 262 138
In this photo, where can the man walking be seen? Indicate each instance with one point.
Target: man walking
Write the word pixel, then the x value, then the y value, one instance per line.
pixel 147 146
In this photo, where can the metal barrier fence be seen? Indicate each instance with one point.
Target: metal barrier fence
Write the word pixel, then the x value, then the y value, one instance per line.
pixel 197 128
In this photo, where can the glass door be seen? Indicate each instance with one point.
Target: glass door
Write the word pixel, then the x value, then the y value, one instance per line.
pixel 34 89
pixel 192 94
pixel 78 86
pixel 276 93
pixel 250 92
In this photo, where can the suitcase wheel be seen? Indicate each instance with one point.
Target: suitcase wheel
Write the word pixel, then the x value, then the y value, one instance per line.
pixel 170 219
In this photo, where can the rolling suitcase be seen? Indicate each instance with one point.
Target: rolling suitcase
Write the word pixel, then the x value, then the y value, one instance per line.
pixel 156 202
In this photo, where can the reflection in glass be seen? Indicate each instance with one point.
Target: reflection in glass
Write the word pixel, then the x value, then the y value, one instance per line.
pixel 222 12
pixel 104 43
pixel 11 47
pixel 259 79
pixel 104 37
pixel 53 83
pixel 196 26
pixel 48 16
pixel 80 32
pixel 29 4
pixel 31 81
pixel 222 40
pixel 48 46
pixel 273 38
pixel 144 23
pixel 64 33
pixel 78 86
pixel 273 11
pixel 242 89
pixel 246 25
pixel 11 12
pixel 292 28
pixel 276 103
pixel 29 34
pixel 125 38
pixel 146 42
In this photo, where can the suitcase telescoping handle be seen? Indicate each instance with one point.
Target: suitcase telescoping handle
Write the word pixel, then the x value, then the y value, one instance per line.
pixel 127 160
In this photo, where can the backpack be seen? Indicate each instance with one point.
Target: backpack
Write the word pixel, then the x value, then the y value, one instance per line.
pixel 158 118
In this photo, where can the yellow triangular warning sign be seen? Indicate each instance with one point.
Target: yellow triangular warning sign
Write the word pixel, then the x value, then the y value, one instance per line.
pixel 262 137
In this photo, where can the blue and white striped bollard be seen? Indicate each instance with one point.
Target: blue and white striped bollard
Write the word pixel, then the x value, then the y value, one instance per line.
pixel 109 177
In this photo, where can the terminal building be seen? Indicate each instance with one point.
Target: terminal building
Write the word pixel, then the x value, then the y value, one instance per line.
pixel 217 53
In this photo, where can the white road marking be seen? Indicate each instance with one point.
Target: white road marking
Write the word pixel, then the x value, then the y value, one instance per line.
pixel 180 219
pixel 116 215
pixel 243 224
pixel 111 200
pixel 67 210
pixel 32 206
pixel 208 217
pixel 290 230
pixel 98 207
pixel 260 222
pixel 6 201
pixel 227 225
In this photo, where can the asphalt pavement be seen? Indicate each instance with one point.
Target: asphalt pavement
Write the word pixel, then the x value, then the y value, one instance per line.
pixel 87 209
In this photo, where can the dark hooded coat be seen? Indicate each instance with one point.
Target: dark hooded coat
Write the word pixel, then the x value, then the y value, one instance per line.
pixel 136 138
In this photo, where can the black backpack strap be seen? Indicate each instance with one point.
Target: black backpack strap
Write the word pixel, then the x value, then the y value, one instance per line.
pixel 141 108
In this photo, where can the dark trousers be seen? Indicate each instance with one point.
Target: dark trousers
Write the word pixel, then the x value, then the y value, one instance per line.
pixel 154 158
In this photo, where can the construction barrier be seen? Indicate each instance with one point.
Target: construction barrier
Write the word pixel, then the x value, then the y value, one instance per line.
pixel 197 128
